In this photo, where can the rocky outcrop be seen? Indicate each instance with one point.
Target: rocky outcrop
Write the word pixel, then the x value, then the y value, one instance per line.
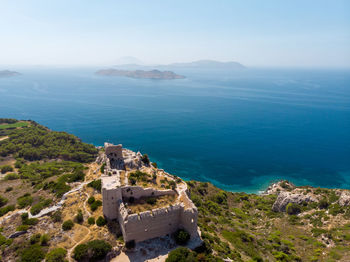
pixel 279 186
pixel 344 198
pixel 284 198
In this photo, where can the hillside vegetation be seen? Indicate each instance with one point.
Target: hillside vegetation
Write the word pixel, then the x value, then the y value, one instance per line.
pixel 36 142
pixel 243 227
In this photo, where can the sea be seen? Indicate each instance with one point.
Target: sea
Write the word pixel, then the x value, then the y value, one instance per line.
pixel 238 129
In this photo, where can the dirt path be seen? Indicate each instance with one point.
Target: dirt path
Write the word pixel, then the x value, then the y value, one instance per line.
pixel 3 138
pixel 87 235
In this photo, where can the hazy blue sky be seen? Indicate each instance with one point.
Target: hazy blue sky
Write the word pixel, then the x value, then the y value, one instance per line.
pixel 255 33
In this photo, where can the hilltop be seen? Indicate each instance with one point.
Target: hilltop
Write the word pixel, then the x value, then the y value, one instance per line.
pixel 51 207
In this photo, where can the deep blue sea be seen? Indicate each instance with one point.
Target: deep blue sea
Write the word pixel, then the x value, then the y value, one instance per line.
pixel 237 129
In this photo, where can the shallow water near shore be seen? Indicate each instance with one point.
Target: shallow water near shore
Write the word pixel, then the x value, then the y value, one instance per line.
pixel 239 130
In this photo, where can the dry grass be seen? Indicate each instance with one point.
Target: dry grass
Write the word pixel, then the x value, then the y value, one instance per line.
pixel 140 205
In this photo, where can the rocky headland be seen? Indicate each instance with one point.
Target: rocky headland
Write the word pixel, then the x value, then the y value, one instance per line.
pixel 51 207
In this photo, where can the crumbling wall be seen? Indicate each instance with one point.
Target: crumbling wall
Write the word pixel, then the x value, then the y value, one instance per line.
pixel 151 224
pixel 111 200
pixel 188 220
pixel 137 192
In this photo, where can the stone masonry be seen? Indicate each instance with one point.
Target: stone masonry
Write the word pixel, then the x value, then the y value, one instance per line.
pixel 151 223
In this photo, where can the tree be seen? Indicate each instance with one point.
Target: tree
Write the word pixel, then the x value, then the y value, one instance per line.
pixel 181 254
pixel 101 221
pixel 6 168
pixel 94 250
pixel 56 255
pixel 145 159
pixel 181 237
pixel 323 204
pixel 80 252
pixel 67 225
pixel 33 253
pixel 79 218
pixel 91 221
pixel 293 209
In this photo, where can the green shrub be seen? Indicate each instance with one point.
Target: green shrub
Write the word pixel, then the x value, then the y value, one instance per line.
pixel 96 184
pixel 145 159
pixel 8 189
pixel 95 205
pixel 35 209
pixel 28 221
pixel 6 209
pixel 3 201
pixel 221 197
pixel 67 225
pixel 35 239
pixel 102 169
pixel 81 252
pixel 22 228
pixel 25 200
pixel 336 209
pixel 11 176
pixel 19 162
pixel 91 221
pixel 181 254
pixel 56 255
pixel 91 200
pixel 154 164
pixel 6 168
pixel 57 216
pixel 79 218
pixel 181 237
pixel 101 221
pixel 293 209
pixel 151 200
pixel 44 239
pixel 33 253
pixel 323 204
pixel 94 250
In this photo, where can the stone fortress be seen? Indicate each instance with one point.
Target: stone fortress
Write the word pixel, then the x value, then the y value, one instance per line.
pixel 119 192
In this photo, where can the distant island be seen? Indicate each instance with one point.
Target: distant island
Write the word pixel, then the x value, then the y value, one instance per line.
pixel 152 74
pixel 8 73
pixel 200 64
pixel 209 64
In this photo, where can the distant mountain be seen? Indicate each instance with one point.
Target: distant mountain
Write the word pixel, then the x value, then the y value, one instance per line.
pixel 8 73
pixel 200 64
pixel 208 64
pixel 152 74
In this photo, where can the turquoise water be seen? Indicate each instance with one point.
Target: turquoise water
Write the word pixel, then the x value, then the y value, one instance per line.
pixel 239 130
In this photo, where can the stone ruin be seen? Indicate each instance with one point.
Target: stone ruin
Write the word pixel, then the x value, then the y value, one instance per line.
pixel 149 224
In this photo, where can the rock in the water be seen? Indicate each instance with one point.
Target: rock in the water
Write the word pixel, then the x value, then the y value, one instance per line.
pixel 284 198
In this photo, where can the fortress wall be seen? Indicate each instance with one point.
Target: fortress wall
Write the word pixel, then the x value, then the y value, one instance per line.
pixel 111 198
pixel 189 220
pixel 123 215
pixel 137 192
pixel 147 225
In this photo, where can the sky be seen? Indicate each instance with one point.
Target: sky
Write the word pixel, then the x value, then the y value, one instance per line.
pixel 286 33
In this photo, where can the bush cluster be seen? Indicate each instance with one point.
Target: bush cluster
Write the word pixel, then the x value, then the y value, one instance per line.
pixel 91 251
pixel 37 142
